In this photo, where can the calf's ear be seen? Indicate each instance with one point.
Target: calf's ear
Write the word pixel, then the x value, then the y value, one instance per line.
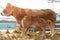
pixel 8 5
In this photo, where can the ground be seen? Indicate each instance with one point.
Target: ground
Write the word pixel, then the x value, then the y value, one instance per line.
pixel 29 36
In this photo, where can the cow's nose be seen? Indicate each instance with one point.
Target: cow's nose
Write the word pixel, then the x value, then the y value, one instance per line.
pixel 1 14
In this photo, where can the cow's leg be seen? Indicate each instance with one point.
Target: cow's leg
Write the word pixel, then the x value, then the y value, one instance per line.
pixel 25 25
pixel 24 29
pixel 43 25
pixel 51 25
pixel 52 30
pixel 43 35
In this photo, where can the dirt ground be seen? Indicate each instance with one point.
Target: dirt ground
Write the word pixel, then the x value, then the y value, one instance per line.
pixel 29 36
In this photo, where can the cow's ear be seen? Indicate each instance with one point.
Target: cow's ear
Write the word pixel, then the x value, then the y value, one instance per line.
pixel 8 5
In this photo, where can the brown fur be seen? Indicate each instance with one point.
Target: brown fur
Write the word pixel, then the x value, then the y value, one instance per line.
pixel 32 17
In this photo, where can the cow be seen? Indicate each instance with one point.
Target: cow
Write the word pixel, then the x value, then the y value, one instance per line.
pixel 35 18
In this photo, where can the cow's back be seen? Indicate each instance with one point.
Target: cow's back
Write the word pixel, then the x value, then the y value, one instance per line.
pixel 47 14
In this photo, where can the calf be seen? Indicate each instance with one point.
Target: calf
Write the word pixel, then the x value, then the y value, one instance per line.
pixel 32 17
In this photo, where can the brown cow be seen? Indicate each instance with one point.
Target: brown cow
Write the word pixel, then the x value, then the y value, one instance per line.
pixel 32 17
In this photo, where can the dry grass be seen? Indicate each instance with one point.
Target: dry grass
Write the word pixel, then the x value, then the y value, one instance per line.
pixel 29 36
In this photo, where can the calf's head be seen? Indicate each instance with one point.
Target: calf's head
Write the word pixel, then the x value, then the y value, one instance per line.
pixel 8 10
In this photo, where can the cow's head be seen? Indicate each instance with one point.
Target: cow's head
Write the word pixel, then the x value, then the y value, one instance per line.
pixel 8 10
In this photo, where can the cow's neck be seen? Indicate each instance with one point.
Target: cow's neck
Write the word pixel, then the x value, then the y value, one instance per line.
pixel 19 15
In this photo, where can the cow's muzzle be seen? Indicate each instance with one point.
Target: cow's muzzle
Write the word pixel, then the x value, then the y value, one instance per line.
pixel 2 14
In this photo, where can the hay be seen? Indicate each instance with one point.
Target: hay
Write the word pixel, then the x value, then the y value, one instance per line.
pixel 29 36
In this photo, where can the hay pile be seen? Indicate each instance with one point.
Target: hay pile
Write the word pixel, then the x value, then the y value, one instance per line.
pixel 29 36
